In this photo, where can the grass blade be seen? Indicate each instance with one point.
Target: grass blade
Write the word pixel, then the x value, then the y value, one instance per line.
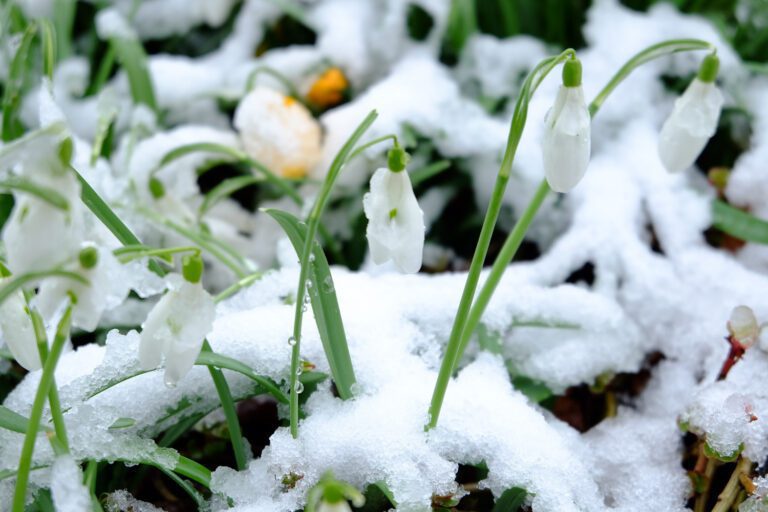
pixel 225 189
pixel 130 54
pixel 739 223
pixel 324 304
pixel 11 127
pixel 46 194
pixel 222 361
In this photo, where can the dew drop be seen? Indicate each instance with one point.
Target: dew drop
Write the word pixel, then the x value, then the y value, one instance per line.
pixel 306 299
pixel 304 308
pixel 170 383
pixel 299 387
pixel 299 370
pixel 311 257
pixel 291 341
pixel 309 284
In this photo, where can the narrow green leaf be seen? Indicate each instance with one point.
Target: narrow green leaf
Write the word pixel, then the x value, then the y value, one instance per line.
pixel 17 282
pixel 46 194
pixel 107 107
pixel 193 470
pixel 535 390
pixel 11 127
pixel 13 421
pixel 48 41
pixel 324 304
pixel 63 20
pixel 420 175
pixel 510 500
pixel 237 156
pixel 739 223
pixel 222 361
pixel 130 54
pixel 120 423
pixel 191 492
pixel 225 189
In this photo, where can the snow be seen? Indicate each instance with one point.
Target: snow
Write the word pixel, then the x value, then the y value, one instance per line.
pixel 675 298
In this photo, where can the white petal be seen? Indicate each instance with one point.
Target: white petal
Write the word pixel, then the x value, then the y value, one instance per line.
pixel 175 328
pixel 566 144
pixel 18 333
pixel 39 236
pixel 690 125
pixel 395 221
pixel 743 326
pixel 108 288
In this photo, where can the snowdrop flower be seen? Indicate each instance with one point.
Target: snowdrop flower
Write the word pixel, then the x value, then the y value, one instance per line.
pixel 693 120
pixel 108 286
pixel 331 495
pixel 16 329
pixel 278 132
pixel 39 235
pixel 395 221
pixel 175 328
pixel 566 145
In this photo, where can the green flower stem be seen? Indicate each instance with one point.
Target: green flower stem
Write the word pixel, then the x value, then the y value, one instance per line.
pixel 242 283
pixel 313 220
pixel 226 255
pixel 230 411
pixel 362 147
pixel 132 252
pixel 532 81
pixel 53 395
pixel 508 251
pixel 649 54
pixel 46 380
pixel 468 318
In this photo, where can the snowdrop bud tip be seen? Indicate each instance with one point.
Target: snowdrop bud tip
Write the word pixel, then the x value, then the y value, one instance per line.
pixel 88 257
pixel 397 159
pixel 192 268
pixel 572 73
pixel 156 188
pixel 66 148
pixel 709 68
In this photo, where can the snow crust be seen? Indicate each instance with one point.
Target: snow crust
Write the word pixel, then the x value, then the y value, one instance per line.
pixel 658 287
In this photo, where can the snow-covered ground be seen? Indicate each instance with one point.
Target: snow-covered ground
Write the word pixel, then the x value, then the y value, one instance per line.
pixel 676 301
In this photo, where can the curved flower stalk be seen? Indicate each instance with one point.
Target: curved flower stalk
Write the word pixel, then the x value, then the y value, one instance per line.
pixel 693 120
pixel 395 220
pixel 176 327
pixel 105 287
pixel 278 132
pixel 566 145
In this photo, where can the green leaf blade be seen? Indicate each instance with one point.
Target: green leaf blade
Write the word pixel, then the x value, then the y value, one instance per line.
pixel 739 223
pixel 324 304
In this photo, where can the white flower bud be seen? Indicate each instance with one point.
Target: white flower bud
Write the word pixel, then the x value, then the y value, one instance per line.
pixel 566 146
pixel 176 327
pixel 395 221
pixel 690 125
pixel 743 327
pixel 279 132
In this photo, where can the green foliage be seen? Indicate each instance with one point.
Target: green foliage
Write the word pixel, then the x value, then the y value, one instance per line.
pixel 739 223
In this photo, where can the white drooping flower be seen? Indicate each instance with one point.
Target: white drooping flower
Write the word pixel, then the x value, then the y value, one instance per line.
pixel 395 220
pixel 176 327
pixel 279 132
pixel 39 235
pixel 108 286
pixel 339 506
pixel 692 121
pixel 567 145
pixel 17 331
